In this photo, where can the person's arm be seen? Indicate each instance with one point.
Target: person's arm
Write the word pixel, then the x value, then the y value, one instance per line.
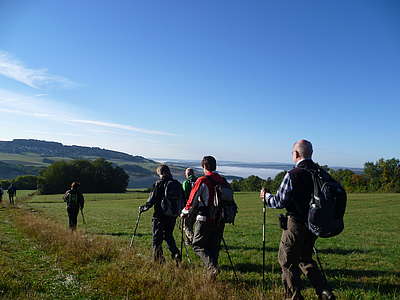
pixel 282 196
pixel 65 197
pixel 199 191
pixel 81 200
pixel 153 198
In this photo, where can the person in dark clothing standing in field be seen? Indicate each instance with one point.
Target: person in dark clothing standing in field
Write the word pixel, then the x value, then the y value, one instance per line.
pixel 297 242
pixel 75 202
pixel 167 198
pixel 12 193
pixel 208 232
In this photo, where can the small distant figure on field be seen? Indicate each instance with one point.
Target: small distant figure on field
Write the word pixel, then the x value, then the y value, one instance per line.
pixel 1 195
pixel 12 193
pixel 297 241
pixel 168 199
pixel 75 202
pixel 208 227
pixel 188 222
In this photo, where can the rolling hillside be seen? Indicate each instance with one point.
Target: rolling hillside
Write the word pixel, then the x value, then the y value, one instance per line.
pixel 28 157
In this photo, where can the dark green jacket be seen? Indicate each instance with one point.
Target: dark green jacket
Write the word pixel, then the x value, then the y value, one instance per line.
pixel 187 185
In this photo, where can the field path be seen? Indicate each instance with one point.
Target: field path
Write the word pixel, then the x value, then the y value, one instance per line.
pixel 25 270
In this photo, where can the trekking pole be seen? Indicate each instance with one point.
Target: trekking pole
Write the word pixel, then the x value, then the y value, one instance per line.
pixel 263 263
pixel 230 260
pixel 183 243
pixel 182 223
pixel 134 231
pixel 320 265
pixel 83 217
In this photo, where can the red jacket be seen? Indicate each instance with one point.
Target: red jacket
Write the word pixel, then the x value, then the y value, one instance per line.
pixel 202 194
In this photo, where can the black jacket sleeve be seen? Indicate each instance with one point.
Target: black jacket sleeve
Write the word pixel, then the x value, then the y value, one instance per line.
pixel 155 195
pixel 81 200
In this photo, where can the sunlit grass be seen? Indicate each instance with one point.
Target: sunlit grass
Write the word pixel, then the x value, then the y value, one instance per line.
pixel 361 263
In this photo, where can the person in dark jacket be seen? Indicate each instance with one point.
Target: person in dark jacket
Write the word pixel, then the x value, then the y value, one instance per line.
pixel 163 225
pixel 12 193
pixel 297 242
pixel 75 202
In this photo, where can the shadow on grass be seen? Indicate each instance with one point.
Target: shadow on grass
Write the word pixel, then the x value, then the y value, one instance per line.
pixel 268 249
pixel 353 277
pixel 342 251
pixel 247 267
pixel 122 234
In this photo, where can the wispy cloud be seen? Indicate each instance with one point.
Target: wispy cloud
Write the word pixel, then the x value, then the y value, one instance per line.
pixel 121 126
pixel 38 107
pixel 35 78
pixel 24 113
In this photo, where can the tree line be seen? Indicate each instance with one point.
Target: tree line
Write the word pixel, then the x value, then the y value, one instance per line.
pixel 381 176
pixel 101 176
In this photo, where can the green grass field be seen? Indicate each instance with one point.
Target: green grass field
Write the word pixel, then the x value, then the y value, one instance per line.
pixel 361 263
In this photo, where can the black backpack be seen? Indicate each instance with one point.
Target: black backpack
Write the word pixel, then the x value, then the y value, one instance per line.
pixel 173 199
pixel 327 205
pixel 223 208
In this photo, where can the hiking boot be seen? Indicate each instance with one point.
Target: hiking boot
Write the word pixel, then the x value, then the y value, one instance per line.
pixel 326 295
pixel 296 296
pixel 178 258
pixel 212 273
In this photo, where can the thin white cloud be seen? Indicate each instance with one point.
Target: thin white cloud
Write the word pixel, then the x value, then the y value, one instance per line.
pixel 13 103
pixel 50 133
pixel 24 113
pixel 35 78
pixel 41 95
pixel 121 126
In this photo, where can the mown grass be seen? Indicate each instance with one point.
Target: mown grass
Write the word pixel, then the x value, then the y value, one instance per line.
pixel 361 263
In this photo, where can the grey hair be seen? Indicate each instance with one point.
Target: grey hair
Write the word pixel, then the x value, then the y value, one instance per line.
pixel 304 148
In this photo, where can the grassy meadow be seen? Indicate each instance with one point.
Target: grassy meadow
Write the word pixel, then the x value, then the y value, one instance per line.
pixel 95 263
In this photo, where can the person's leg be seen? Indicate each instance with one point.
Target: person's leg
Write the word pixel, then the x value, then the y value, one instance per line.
pixel 289 257
pixel 200 242
pixel 157 240
pixel 216 234
pixel 169 225
pixel 309 267
pixel 73 218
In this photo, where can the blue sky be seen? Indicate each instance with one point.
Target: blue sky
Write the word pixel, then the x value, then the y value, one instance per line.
pixel 240 80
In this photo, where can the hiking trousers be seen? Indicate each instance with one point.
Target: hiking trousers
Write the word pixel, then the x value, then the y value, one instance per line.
pixel 163 229
pixel 295 256
pixel 72 217
pixel 207 242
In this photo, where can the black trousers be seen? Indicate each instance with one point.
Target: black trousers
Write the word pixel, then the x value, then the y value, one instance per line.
pixel 163 229
pixel 73 217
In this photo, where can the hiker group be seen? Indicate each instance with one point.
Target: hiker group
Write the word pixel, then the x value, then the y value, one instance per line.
pixel 12 194
pixel 314 202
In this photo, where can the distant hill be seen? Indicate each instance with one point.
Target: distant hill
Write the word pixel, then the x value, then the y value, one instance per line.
pixel 28 157
pixel 54 149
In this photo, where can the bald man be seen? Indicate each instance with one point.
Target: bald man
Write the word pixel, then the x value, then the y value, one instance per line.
pixel 297 242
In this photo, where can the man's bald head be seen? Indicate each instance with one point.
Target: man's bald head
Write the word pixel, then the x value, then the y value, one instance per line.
pixel 303 148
